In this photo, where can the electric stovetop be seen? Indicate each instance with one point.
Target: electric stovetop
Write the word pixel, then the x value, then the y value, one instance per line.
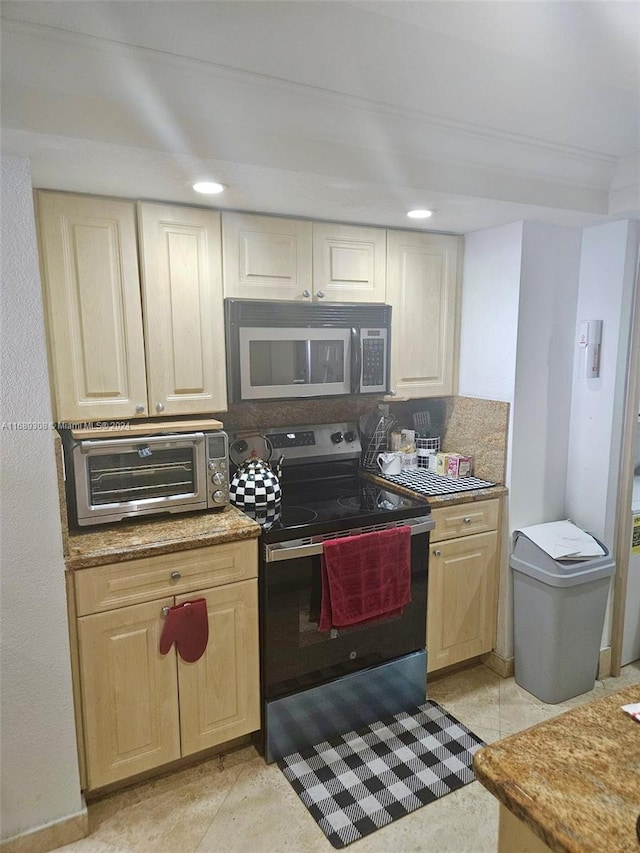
pixel 319 507
pixel 321 489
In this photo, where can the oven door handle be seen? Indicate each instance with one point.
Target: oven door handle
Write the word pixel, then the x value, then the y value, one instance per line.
pixel 136 441
pixel 296 548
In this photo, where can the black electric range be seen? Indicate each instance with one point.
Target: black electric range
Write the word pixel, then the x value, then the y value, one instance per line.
pixel 318 683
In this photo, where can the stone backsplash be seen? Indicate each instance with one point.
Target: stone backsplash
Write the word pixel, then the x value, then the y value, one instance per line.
pixel 478 428
pixel 466 425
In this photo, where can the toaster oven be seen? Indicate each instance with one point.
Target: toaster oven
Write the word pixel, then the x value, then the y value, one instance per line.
pixel 125 477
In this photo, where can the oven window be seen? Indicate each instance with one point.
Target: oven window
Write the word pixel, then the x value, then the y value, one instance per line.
pixel 315 362
pixel 141 474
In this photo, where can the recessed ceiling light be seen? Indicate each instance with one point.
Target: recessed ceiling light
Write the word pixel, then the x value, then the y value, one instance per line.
pixel 419 214
pixel 208 187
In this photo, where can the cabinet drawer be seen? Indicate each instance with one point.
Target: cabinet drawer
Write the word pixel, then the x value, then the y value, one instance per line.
pixel 465 519
pixel 121 584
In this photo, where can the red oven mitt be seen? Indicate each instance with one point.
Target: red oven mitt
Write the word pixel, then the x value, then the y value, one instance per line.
pixel 186 625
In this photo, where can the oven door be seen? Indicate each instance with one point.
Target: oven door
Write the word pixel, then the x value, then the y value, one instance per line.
pixel 278 363
pixel 121 478
pixel 296 656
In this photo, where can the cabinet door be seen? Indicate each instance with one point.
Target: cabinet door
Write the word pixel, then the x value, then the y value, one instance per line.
pixel 220 693
pixel 129 693
pixel 349 263
pixel 180 250
pixel 265 257
pixel 462 601
pixel 422 287
pixel 89 265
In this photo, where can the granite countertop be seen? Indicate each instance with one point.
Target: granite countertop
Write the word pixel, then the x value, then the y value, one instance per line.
pixel 129 540
pixel 435 501
pixel 574 780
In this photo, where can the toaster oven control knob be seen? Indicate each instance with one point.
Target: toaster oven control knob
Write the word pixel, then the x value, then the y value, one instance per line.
pixel 350 436
pixel 218 496
pixel 218 479
pixel 211 465
pixel 337 437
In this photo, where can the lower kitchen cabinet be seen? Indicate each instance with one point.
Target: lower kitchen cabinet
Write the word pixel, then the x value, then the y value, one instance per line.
pixel 129 693
pixel 141 709
pixel 462 597
pixel 220 693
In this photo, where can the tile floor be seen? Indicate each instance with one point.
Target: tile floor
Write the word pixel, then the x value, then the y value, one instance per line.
pixel 237 803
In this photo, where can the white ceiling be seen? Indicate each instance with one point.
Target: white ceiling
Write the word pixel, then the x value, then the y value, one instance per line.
pixel 355 111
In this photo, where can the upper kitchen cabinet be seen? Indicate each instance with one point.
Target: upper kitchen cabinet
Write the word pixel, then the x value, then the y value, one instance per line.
pixel 349 263
pixel 89 264
pixel 93 298
pixel 423 273
pixel 183 309
pixel 266 257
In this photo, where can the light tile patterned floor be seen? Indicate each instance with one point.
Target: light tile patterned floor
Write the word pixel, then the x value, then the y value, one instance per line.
pixel 237 804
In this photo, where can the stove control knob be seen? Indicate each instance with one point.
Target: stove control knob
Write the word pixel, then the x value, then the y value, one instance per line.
pixel 350 436
pixel 337 437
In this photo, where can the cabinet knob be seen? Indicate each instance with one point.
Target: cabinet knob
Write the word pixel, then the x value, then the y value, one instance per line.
pixel 306 293
pixel 139 408
pixel 175 576
pixel 165 612
pixel 467 519
pixel 437 553
pixel 392 392
pixel 159 407
pixel 320 294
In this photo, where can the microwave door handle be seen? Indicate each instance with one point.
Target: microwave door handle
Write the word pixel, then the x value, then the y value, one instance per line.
pixel 356 360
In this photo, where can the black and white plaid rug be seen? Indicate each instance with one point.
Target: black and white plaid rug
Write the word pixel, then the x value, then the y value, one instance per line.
pixel 358 782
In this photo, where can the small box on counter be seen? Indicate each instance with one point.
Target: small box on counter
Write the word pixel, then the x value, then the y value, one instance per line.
pixel 453 465
pixel 459 465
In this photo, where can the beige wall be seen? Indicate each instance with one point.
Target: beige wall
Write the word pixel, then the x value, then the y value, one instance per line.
pixel 39 771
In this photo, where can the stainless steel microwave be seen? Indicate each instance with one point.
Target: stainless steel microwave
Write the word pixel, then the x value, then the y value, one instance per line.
pixel 287 350
pixel 125 477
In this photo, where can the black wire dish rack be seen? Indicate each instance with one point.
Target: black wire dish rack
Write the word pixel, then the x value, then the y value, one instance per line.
pixel 374 437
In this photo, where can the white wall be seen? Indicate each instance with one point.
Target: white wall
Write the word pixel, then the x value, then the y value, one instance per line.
pixel 607 278
pixel 519 298
pixel 40 783
pixel 607 281
pixel 489 318
pixel 544 370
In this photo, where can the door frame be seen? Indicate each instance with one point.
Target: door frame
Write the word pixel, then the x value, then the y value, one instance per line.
pixel 625 481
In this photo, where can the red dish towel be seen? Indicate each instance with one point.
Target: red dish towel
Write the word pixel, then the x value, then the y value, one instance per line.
pixel 186 625
pixel 365 577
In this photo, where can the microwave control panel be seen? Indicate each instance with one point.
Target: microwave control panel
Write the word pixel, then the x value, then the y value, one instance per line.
pixel 374 359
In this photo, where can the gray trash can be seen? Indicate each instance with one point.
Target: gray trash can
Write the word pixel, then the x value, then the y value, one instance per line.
pixel 558 616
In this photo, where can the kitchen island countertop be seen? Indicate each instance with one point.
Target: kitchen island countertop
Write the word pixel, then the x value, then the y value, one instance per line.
pixel 574 780
pixel 130 540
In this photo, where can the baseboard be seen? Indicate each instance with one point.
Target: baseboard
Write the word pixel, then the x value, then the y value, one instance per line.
pixel 49 837
pixel 502 666
pixel 604 663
